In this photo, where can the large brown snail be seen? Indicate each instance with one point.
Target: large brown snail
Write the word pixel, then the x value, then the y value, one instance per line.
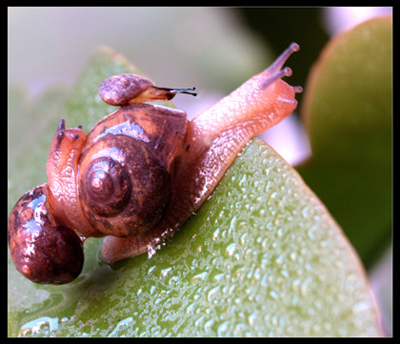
pixel 139 174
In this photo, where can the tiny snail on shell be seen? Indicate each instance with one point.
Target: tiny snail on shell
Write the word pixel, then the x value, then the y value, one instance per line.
pixel 119 90
pixel 139 174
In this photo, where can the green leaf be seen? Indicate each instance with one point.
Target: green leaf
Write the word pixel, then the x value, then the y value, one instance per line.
pixel 262 257
pixel 348 114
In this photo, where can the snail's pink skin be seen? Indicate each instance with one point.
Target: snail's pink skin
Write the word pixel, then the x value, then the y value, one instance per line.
pixel 214 138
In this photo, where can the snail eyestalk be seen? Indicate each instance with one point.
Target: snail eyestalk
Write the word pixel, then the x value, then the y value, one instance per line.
pixel 297 89
pixel 154 93
pixel 280 61
pixel 276 76
pixel 61 125
pixel 180 90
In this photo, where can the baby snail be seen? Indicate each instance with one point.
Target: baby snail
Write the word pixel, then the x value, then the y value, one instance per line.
pixel 139 174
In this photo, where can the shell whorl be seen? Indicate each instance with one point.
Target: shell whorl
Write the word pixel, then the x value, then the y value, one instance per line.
pixel 123 186
pixel 107 186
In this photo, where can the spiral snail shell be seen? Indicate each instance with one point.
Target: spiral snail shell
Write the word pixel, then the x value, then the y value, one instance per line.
pixel 42 250
pixel 125 168
pixel 139 174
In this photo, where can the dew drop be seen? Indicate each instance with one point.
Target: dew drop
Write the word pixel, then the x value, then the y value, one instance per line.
pixel 285 274
pixel 279 260
pixel 164 272
pixel 216 234
pixel 218 277
pixel 199 321
pixel 198 277
pixel 122 324
pixel 252 318
pixel 233 223
pixel 305 286
pixel 274 295
pixel 296 283
pixel 360 307
pixel 191 308
pixel 304 212
pixel 151 250
pixel 295 301
pixel 272 197
pixel 264 243
pixel 151 269
pixel 212 293
pixel 207 325
pixel 36 325
pixel 173 279
pixel 324 244
pixel 264 281
pixel 222 329
pixel 230 249
pixel 243 180
pixel 243 239
pixel 248 253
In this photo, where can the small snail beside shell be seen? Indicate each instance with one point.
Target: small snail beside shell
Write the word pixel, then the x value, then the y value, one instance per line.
pixel 139 174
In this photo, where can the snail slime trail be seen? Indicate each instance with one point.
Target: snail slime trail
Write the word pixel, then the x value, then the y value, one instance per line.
pixel 140 173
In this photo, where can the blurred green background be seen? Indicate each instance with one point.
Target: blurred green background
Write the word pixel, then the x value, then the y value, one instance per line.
pixel 214 49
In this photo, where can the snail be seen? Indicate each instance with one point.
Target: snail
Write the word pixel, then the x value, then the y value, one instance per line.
pixel 139 174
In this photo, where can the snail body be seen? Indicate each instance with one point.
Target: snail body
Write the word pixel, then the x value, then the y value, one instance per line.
pixel 141 172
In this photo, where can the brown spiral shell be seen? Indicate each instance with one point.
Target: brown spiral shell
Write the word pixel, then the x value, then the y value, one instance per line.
pixel 123 191
pixel 107 186
pixel 41 250
pixel 125 169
